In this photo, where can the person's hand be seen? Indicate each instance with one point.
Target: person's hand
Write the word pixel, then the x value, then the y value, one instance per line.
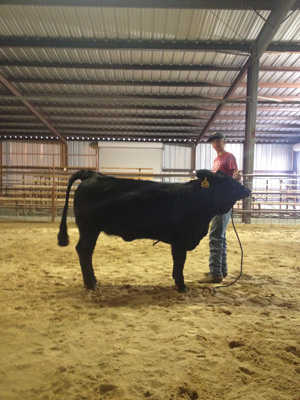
pixel 237 175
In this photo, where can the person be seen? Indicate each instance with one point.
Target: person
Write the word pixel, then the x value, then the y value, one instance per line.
pixel 226 163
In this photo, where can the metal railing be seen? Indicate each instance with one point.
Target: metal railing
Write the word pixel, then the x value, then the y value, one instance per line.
pixel 38 193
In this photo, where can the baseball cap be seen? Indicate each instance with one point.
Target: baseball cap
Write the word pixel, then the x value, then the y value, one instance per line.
pixel 216 135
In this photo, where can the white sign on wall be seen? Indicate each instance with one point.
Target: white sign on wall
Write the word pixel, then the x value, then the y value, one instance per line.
pixel 130 157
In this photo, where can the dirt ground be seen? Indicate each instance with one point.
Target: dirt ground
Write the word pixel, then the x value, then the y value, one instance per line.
pixel 136 337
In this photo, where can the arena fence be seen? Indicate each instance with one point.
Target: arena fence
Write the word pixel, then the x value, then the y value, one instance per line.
pixel 38 193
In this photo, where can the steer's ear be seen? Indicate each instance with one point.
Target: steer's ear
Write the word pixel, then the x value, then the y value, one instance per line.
pixel 203 173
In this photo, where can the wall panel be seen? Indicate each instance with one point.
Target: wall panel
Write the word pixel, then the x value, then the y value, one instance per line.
pixel 82 154
pixel 274 158
pixel 268 157
pixel 177 157
pixel 28 154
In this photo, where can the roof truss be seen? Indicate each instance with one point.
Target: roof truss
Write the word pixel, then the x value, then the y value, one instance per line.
pixel 35 92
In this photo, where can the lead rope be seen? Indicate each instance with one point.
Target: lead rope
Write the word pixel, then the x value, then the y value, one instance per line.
pixel 242 256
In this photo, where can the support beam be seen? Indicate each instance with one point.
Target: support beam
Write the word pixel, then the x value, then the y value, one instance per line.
pixel 116 83
pixel 228 94
pixel 193 157
pixel 30 107
pixel 63 155
pixel 81 108
pixel 138 67
pixel 144 83
pixel 149 129
pixel 144 45
pixel 264 37
pixel 142 122
pixel 1 165
pixel 124 67
pixel 251 110
pixel 158 100
pixel 73 116
pixel 178 4
pixel 119 44
pixel 16 119
pixel 294 162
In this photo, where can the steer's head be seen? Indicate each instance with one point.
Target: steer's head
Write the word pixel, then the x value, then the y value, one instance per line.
pixel 224 191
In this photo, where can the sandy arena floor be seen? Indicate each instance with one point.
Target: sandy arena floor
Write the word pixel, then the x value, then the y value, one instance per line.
pixel 136 337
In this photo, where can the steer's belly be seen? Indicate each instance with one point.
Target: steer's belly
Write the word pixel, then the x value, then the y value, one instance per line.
pixel 129 236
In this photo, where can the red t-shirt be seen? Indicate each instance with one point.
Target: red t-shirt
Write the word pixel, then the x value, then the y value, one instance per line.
pixel 225 163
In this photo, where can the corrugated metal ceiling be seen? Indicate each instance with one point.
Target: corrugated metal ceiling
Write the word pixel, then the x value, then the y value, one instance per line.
pixel 98 72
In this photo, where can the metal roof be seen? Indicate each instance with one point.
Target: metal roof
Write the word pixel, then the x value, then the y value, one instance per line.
pixel 103 69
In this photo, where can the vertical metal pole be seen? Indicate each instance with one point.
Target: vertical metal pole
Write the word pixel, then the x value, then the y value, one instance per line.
pixel 294 162
pixel 53 192
pixel 1 167
pixel 97 159
pixel 63 155
pixel 280 191
pixel 250 127
pixel 193 157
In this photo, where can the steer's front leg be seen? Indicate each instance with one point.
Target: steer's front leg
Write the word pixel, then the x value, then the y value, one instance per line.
pixel 179 257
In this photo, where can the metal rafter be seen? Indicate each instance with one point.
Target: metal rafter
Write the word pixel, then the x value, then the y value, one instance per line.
pixel 130 67
pixel 262 42
pixel 179 4
pixel 30 107
pixel 83 108
pixel 138 99
pixel 18 118
pixel 195 84
pixel 138 67
pixel 144 45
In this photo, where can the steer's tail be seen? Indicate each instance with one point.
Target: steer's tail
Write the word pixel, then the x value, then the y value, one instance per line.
pixel 63 237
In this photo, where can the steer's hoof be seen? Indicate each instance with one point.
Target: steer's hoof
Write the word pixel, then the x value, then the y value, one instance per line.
pixel 183 290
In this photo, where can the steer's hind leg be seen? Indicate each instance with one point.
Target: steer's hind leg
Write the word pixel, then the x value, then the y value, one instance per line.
pixel 85 248
pixel 179 257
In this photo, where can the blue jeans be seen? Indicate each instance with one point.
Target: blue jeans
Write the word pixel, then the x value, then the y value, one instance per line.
pixel 218 245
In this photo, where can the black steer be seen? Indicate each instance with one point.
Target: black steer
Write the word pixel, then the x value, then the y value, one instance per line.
pixel 174 213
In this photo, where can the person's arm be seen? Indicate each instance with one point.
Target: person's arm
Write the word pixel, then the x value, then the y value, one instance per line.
pixel 237 175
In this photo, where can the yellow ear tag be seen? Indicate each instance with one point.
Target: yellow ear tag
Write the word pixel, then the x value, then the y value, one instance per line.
pixel 204 183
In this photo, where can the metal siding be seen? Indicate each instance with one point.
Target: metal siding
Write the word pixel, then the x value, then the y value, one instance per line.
pixel 205 155
pixel 273 158
pixel 122 23
pixel 28 154
pixel 31 154
pixel 289 29
pixel 177 157
pixel 41 154
pixel 81 154
pixel 280 59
